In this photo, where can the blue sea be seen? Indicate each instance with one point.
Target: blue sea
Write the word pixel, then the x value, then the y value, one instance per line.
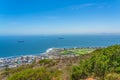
pixel 32 45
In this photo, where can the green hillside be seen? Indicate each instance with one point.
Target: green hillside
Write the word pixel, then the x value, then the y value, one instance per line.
pixel 101 64
pixel 104 64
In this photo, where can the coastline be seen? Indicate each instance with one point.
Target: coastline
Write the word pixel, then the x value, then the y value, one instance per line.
pixel 49 49
pixel 35 45
pixel 51 53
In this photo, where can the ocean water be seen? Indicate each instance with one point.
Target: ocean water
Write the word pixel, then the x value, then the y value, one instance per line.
pixel 10 45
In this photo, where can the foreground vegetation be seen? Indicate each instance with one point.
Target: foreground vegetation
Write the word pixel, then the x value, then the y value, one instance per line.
pixel 101 64
pixel 104 64
pixel 36 74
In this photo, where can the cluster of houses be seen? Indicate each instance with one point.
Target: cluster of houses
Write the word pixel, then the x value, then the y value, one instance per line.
pixel 11 62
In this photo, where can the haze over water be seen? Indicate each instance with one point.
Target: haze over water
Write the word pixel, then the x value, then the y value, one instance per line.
pixel 9 45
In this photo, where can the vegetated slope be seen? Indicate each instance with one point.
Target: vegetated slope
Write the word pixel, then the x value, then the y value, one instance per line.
pixel 104 64
pixel 53 69
pixel 36 74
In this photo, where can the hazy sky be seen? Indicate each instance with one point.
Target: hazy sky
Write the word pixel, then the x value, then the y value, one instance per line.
pixel 30 17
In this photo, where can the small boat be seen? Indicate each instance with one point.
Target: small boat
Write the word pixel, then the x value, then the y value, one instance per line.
pixel 20 41
pixel 60 38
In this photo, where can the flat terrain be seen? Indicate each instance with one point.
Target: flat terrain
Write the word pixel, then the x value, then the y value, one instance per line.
pixel 77 51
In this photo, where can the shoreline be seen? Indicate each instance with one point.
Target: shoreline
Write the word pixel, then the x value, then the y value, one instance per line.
pixel 51 53
pixel 47 50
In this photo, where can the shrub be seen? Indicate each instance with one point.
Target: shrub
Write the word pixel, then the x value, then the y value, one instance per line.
pixel 36 74
pixel 112 76
pixel 102 62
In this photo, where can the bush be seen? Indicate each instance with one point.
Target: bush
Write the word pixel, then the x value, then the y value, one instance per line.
pixel 102 62
pixel 9 71
pixel 36 74
pixel 45 61
pixel 112 76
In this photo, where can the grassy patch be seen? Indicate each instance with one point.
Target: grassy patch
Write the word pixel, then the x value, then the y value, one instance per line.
pixel 76 51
